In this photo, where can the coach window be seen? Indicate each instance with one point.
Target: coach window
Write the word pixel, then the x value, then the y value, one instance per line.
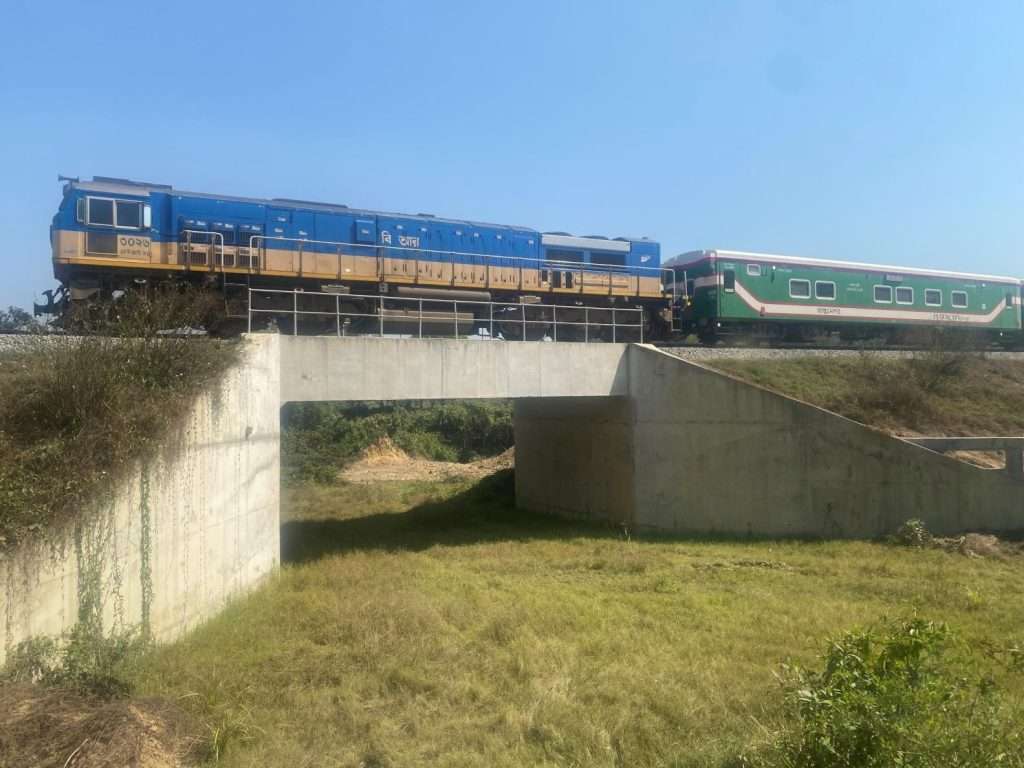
pixel 800 289
pixel 883 294
pixel 959 299
pixel 933 297
pixel 729 280
pixel 904 295
pixel 101 211
pixel 754 270
pixel 825 290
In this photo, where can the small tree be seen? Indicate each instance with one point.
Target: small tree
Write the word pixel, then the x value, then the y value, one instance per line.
pixel 16 319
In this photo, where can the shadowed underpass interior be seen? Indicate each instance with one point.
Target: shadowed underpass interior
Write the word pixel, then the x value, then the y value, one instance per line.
pixel 482 513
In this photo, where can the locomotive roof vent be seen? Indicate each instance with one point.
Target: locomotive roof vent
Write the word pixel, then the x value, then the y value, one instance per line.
pixel 295 201
pixel 129 182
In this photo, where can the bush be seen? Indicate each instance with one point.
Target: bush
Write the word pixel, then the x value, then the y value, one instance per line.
pixel 903 694
pixel 913 533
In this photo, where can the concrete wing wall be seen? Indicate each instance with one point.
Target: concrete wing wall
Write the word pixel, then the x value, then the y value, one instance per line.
pixel 714 454
pixel 180 536
pixel 328 368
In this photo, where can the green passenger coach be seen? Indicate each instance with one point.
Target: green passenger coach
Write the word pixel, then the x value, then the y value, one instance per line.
pixel 762 296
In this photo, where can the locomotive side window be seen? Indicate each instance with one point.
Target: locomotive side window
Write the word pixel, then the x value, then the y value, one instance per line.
pixel 101 212
pixel 959 299
pixel 754 270
pixel 103 243
pixel 883 294
pixel 129 214
pixel 904 295
pixel 691 286
pixel 933 297
pixel 800 289
pixel 825 290
pixel 729 280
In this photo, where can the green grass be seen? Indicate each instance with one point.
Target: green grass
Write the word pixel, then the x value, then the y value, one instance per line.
pixel 931 393
pixel 433 624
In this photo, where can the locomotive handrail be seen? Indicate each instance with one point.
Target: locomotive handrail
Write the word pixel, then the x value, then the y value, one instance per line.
pixel 436 316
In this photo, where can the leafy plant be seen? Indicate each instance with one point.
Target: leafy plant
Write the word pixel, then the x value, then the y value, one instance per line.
pixel 913 533
pixel 903 694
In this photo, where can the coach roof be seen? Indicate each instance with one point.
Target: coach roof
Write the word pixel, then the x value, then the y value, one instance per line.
pixel 691 257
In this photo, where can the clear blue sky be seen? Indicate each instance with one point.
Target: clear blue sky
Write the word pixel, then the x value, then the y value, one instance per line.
pixel 880 131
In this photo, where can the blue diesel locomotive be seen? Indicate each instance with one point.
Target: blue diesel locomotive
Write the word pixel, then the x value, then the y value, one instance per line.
pixel 113 235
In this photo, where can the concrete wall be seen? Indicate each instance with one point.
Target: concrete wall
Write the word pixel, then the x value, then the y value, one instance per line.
pixel 327 368
pixel 179 536
pixel 574 457
pixel 705 453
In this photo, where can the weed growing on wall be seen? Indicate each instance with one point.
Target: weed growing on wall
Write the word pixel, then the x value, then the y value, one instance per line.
pixel 75 412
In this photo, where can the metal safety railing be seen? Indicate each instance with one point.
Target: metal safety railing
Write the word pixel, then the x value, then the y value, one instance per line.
pixel 409 317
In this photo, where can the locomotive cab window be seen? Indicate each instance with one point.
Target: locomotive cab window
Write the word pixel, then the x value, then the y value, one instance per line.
pixel 121 214
pixel 883 294
pixel 959 299
pixel 800 289
pixel 933 297
pixel 904 295
pixel 754 270
pixel 825 290
pixel 729 280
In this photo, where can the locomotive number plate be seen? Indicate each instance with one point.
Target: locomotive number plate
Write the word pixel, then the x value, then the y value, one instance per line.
pixel 131 247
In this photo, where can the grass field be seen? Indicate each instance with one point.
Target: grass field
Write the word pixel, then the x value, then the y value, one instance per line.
pixel 432 624
pixel 930 393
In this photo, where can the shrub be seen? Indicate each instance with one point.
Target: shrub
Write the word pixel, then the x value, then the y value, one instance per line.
pixel 903 694
pixel 913 533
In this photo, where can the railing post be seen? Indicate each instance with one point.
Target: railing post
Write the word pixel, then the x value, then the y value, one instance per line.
pixel 586 324
pixel 613 325
pixel 295 312
pixel 250 310
pixel 337 314
pixel 380 313
pixel 554 321
pixel 640 314
pixel 490 312
pixel 421 319
pixel 523 307
pixel 456 313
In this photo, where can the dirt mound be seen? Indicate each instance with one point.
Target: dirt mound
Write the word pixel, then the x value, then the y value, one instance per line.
pixel 384 451
pixel 980 545
pixel 385 462
pixel 46 727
